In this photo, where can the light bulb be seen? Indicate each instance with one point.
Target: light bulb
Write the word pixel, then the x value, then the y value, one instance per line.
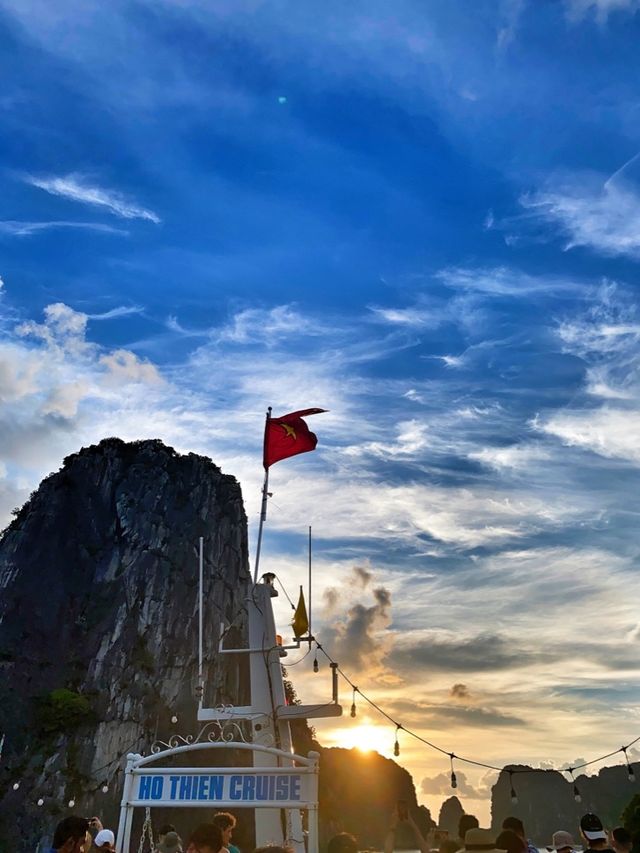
pixel 576 794
pixel 454 781
pixel 16 785
pixel 514 799
pixel 105 788
pixel 315 665
pixel 396 748
pixel 72 803
pixel 40 802
pixel 353 710
pixel 174 719
pixel 632 775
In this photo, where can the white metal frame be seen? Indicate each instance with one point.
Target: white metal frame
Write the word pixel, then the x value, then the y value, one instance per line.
pixel 305 766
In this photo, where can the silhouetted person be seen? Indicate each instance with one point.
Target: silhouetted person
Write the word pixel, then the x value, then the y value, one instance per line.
pixel 403 817
pixel 206 838
pixel 72 835
pixel 343 842
pixel 511 842
pixel 621 840
pixel 515 824
pixel 467 821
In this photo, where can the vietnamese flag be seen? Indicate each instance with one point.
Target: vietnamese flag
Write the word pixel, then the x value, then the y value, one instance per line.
pixel 287 436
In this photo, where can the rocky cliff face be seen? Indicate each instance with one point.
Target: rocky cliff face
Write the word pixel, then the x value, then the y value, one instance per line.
pixel 99 627
pixel 358 793
pixel 546 803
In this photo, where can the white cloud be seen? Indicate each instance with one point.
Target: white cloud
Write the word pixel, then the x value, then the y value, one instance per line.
pixel 63 328
pixel 604 217
pixel 260 326
pixel 607 338
pixel 125 366
pixel 75 188
pixel 503 281
pixel 413 318
pixel 519 456
pixel 27 229
pixel 601 9
pixel 613 433
pixel 441 784
pixel 64 400
pixel 116 313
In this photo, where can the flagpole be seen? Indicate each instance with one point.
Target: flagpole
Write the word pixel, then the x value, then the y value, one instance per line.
pixel 309 631
pixel 263 510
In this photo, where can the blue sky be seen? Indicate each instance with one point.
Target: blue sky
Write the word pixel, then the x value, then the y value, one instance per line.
pixel 424 218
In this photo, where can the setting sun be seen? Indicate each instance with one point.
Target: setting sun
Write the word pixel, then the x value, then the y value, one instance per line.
pixel 365 738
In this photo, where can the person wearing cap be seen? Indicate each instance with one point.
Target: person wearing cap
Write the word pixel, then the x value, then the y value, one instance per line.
pixel 105 840
pixel 561 842
pixel 515 824
pixel 477 840
pixel 593 832
pixel 71 835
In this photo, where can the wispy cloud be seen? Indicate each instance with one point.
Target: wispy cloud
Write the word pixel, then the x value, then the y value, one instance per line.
pixel 503 281
pixel 601 9
pixel 76 188
pixel 116 313
pixel 603 216
pixel 265 326
pixel 18 228
pixel 413 318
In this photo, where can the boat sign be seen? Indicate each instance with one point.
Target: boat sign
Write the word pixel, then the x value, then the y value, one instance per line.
pixel 247 786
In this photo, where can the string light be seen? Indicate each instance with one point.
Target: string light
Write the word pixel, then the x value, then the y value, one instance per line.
pixel 40 802
pixel 105 788
pixel 396 745
pixel 454 781
pixel 174 719
pixel 353 704
pixel 632 775
pixel 16 785
pixel 315 663
pixel 473 761
pixel 576 791
pixel 513 795
pixel 72 803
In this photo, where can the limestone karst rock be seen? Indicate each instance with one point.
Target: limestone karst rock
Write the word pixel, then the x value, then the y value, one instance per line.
pixel 98 623
pixel 546 800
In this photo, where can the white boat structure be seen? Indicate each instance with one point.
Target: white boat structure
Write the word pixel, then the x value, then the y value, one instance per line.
pixel 280 786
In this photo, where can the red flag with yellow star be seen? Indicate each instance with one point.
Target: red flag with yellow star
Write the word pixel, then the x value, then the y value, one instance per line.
pixel 287 436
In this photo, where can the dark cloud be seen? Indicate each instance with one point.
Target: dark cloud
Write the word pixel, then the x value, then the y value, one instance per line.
pixel 482 653
pixel 363 576
pixel 423 713
pixel 460 692
pixel 331 597
pixel 356 640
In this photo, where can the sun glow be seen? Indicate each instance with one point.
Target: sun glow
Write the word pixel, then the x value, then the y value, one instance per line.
pixel 366 738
